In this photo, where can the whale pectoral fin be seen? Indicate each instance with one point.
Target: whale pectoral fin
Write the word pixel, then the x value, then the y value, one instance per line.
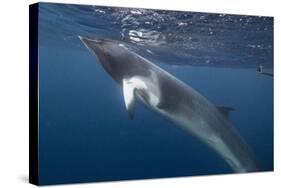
pixel 225 110
pixel 129 98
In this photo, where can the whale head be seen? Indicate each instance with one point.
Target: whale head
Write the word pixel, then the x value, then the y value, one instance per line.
pixel 116 59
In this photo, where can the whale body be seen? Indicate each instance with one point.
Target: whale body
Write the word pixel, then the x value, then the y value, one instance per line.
pixel 176 101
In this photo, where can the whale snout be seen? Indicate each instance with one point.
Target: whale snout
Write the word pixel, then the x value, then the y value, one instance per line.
pixel 91 44
pixel 102 49
pixel 93 40
pixel 98 47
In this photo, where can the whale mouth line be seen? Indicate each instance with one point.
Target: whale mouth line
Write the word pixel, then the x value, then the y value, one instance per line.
pixel 83 39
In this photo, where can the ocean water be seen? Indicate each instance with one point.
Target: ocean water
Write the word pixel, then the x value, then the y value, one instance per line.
pixel 85 134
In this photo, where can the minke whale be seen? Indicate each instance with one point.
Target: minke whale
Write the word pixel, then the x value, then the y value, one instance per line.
pixel 143 81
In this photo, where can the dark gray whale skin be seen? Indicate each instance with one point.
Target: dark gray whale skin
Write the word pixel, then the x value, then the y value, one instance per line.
pixel 176 101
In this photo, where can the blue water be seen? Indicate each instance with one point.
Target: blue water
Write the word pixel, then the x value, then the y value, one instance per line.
pixel 85 132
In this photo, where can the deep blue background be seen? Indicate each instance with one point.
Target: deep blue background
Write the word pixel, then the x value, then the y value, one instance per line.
pixel 86 135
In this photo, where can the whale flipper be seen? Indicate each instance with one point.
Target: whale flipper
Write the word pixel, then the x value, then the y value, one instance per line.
pixel 129 97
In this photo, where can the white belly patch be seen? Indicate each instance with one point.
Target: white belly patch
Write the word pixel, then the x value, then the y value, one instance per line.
pixel 149 85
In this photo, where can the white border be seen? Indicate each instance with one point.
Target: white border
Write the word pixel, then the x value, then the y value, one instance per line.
pixel 14 91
